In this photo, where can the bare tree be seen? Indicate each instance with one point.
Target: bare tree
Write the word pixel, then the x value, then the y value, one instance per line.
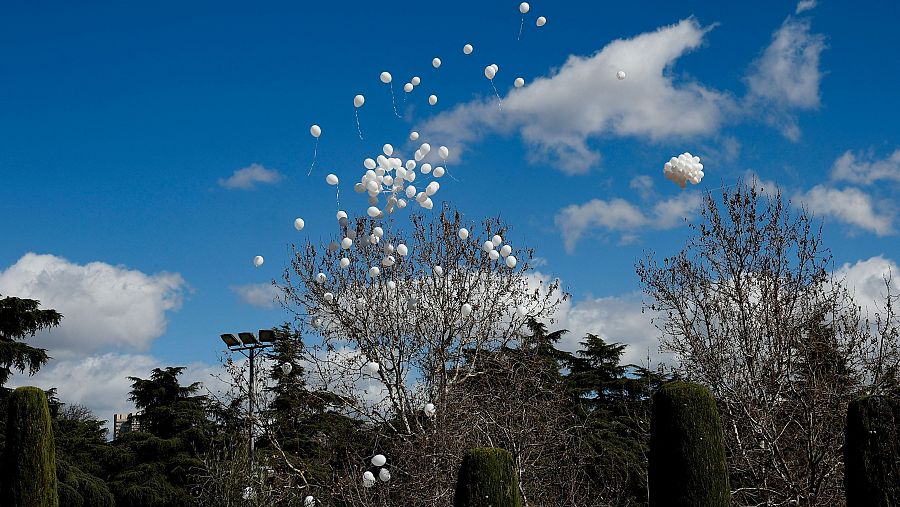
pixel 750 309
pixel 424 316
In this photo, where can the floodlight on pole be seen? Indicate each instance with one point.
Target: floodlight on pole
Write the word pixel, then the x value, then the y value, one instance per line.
pixel 231 340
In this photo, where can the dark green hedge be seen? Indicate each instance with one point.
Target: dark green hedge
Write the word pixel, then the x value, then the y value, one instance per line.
pixel 687 449
pixel 872 452
pixel 487 477
pixel 29 461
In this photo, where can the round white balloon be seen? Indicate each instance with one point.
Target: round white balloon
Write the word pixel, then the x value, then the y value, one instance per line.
pixel 519 82
pixel 402 249
pixel 541 21
pixel 384 475
pixel 620 75
pixel 408 87
pixel 386 77
pixel 413 136
pixel 345 262
pixel 359 100
pixel 432 99
pixel 379 460
pixel 299 224
pixel 524 7
pixel 467 49
pixel 511 261
pixel 315 130
pixel 463 233
pixel 258 261
pixel 416 80
pixel 436 63
pixel 443 152
pixel 331 179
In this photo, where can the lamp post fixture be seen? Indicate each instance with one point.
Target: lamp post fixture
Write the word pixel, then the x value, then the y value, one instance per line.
pixel 250 346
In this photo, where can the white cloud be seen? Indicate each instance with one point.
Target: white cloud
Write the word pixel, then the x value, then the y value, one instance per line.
pixel 787 76
pixel 622 216
pixel 805 5
pixel 100 382
pixel 102 305
pixel 866 169
pixel 850 206
pixel 248 177
pixel 261 295
pixel 865 279
pixel 557 115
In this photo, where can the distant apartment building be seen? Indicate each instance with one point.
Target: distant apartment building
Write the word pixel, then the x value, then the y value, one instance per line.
pixel 126 423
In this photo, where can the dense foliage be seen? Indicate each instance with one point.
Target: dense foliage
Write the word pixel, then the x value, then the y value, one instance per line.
pixel 872 452
pixel 487 477
pixel 29 459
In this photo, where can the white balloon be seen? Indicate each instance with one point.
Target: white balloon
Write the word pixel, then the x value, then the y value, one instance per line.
pixel 373 367
pixel 438 271
pixel 432 188
pixel 372 186
pixel 521 311
pixel 488 246
pixel 436 63
pixel 463 233
pixel 402 249
pixel 258 261
pixel 369 163
pixel 466 309
pixel 410 191
pixel 392 285
pixel 438 172
pixel 506 250
pixel 489 72
pixel 426 168
pixel 408 87
pixel 511 261
pixel 519 82
pixel 386 77
pixel 331 179
pixel 432 99
pixel 428 203
pixel 410 165
pixel 373 211
pixel 309 501
pixel 341 214
pixel 425 148
pixel 388 149
pixel 524 7
pixel 541 21
pixel 620 75
pixel 374 271
pixel 415 80
pixel 378 231
pixel 316 131
pixel 358 101
pixel 379 460
pixel 467 49
pixel 496 67
pixel 345 262
pixel 443 152
pixel 430 409
pixel 494 255
pixel 299 224
pixel 321 278
pixel 368 477
pixel 413 136
pixel 497 240
pixel 329 297
pixel 384 475
pixel 346 243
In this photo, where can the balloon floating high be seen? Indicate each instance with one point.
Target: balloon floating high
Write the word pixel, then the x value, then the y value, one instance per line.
pixel 519 82
pixel 258 261
pixel 467 49
pixel 315 131
pixel 432 99
pixel 299 224
pixel 387 79
pixel 430 409
pixel 436 63
pixel 620 75
pixel 463 234
pixel 358 102
pixel 684 168
pixel 331 179
pixel 523 8
pixel 372 367
pixel 541 21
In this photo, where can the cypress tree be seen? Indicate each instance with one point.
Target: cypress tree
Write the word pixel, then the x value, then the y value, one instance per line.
pixel 872 452
pixel 29 461
pixel 687 449
pixel 487 477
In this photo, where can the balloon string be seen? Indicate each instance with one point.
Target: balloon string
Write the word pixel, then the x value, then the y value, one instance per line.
pixel 358 129
pixel 315 152
pixel 337 196
pixel 499 100
pixel 521 25
pixel 393 103
pixel 447 168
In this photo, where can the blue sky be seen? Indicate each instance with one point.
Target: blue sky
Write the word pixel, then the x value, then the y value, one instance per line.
pixel 120 122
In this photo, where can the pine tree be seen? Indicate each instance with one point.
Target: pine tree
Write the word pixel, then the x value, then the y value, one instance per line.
pixel 29 460
pixel 487 478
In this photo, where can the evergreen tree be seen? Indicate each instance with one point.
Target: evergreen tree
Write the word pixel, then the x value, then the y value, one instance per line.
pixel 29 460
pixel 20 318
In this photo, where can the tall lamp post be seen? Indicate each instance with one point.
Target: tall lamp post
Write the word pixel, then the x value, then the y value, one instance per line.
pixel 250 346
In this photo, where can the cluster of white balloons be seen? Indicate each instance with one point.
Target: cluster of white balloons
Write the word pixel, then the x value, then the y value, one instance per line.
pixel 384 475
pixel 683 169
pixel 495 251
pixel 391 176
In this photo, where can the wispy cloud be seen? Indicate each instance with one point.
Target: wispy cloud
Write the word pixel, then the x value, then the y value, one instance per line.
pixel 621 216
pixel 865 169
pixel 248 177
pixel 559 114
pixel 851 206
pixel 261 295
pixel 805 5
pixel 786 76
